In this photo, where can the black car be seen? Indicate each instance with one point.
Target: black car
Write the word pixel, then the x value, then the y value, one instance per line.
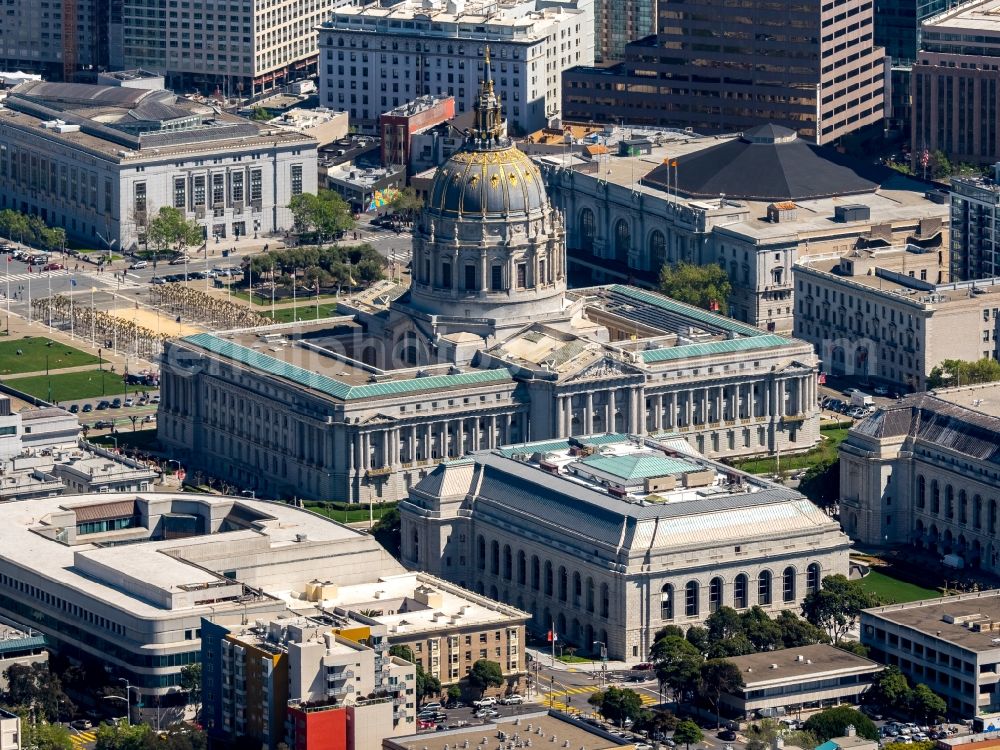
pixel 87 408
pixel 74 408
pixel 197 275
pixel 116 404
pixel 101 405
pixel 727 735
pixel 103 424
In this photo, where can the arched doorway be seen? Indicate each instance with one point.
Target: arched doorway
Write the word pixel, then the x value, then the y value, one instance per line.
pixel 657 250
pixel 623 241
pixel 588 230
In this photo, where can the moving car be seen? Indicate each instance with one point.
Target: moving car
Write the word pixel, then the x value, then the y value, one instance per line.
pixel 486 702
pixel 727 735
pixel 52 267
pixel 179 260
pixel 81 724
pixel 511 700
pixel 157 280
pixel 138 264
pixel 104 424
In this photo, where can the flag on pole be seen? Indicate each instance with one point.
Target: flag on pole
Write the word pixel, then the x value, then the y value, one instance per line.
pixel 553 636
pixel 72 281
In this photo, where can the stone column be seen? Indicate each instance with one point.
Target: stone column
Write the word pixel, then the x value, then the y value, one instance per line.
pixel 427 440
pixel 641 409
pixel 719 399
pixel 612 408
pixel 352 454
pixel 781 398
pixel 366 451
pixel 492 442
pixel 689 408
pixel 412 452
pixel 460 438
pixel 588 415
pixel 658 415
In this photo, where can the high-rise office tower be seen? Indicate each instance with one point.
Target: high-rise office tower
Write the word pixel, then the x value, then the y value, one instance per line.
pixel 716 66
pixel 616 23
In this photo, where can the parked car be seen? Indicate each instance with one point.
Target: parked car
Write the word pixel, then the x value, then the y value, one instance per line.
pixel 104 424
pixel 102 405
pixel 511 700
pixel 430 707
pixel 881 390
pixel 856 413
pixel 157 280
pixel 138 264
pixel 486 702
pixel 179 260
pixel 727 735
pixel 74 408
pixel 129 401
pixel 149 418
pixel 81 724
pixel 116 404
pixel 87 408
pixel 422 724
pixel 155 398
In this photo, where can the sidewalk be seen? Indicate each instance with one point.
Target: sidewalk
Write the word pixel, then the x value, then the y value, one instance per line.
pixel 544 658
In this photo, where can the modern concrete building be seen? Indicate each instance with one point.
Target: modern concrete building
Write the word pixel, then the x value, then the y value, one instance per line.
pixel 611 537
pixel 55 40
pixel 99 470
pixel 881 315
pixel 923 471
pixel 100 161
pixel 954 86
pixel 616 24
pixel 275 682
pixel 375 58
pixel 446 627
pixel 975 209
pixel 797 679
pixel 22 646
pixel 485 348
pixel 690 199
pixel 823 78
pixel 399 126
pixel 126 578
pixel 949 644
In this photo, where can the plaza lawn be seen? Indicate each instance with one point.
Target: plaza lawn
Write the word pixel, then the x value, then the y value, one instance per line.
pixel 352 513
pixel 303 312
pixel 263 299
pixel 894 591
pixel 824 452
pixel 34 349
pixel 68 386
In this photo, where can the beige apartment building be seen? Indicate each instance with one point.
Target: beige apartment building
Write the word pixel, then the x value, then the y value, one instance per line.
pixel 882 315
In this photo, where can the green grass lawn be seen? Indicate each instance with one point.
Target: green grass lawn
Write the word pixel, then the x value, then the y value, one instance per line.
pixel 304 312
pixel 353 513
pixel 34 350
pixel 68 386
pixel 894 591
pixel 573 659
pixel 826 451
pixel 265 300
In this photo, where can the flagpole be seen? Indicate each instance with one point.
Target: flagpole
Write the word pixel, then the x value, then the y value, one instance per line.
pixel 272 292
pixel 93 325
pixel 29 295
pixel 555 635
pixel 72 292
pixel 7 266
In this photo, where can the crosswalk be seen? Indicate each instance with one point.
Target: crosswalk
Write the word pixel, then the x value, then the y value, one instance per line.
pixel 81 739
pixel 34 276
pixel 566 699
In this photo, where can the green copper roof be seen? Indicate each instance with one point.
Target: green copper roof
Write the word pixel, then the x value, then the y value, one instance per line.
pixel 639 466
pixel 708 318
pixel 762 341
pixel 561 445
pixel 273 366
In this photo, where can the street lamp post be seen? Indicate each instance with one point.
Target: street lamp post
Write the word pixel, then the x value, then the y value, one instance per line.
pixel 127 700
pixel 604 661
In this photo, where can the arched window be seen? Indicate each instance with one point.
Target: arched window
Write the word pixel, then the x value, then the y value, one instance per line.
pixel 588 230
pixel 691 599
pixel 741 595
pixel 522 569
pixel 963 507
pixel 764 588
pixel 590 594
pixel 921 493
pixel 812 578
pixel 667 602
pixel 623 240
pixel 577 589
pixel 548 578
pixel 562 583
pixel 534 572
pixel 949 502
pixel 993 516
pixel 977 511
pixel 935 498
pixel 657 250
pixel 605 600
pixel 495 558
pixel 508 563
pixel 494 594
pixel 788 585
pixel 481 552
pixel 714 594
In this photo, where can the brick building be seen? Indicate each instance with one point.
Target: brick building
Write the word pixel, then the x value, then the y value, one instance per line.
pixel 398 126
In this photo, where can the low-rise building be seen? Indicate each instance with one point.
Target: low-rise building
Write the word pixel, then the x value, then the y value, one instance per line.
pixel 606 537
pixel 99 470
pixel 399 127
pixel 22 646
pixel 365 189
pixel 10 731
pixel 949 644
pixel 850 741
pixel 49 427
pixel 795 679
pixel 306 681
pixel 883 315
pixel 321 124
pixel 100 161
pixel 923 471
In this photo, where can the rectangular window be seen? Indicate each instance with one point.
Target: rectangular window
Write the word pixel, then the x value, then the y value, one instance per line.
pixel 180 193
pixel 237 179
pixel 108 191
pixel 446 275
pixel 496 278
pixel 256 185
pixel 140 197
pixel 296 179
pixel 218 189
pixel 199 190
pixel 522 275
pixel 470 277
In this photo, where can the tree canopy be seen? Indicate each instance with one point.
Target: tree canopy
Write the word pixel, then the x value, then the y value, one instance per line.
pixel 833 722
pixel 485 674
pixel 688 733
pixel 705 286
pixel 325 213
pixel 761 735
pixel 406 202
pixel 171 229
pixel 963 372
pixel 837 606
pixel 31 230
pixel 307 266
pixel 677 664
pixel 35 687
pixel 618 704
pixel 718 677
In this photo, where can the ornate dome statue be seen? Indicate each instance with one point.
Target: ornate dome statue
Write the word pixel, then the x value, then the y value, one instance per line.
pixel 488 246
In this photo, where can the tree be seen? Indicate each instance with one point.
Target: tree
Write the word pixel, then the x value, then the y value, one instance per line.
pixel 677 664
pixel 426 684
pixel 36 688
pixel 963 372
pixel 325 213
pixel 761 736
pixel 762 633
pixel 191 682
pixel 485 674
pixel 833 722
pixel 45 736
pixel 705 286
pixel 890 689
pixel 406 202
pixel 927 705
pixel 619 704
pixel 718 677
pixel 454 693
pixel 596 699
pixel 698 637
pixel 797 632
pixel 261 114
pixel 171 229
pixel 837 606
pixel 821 483
pixel 122 737
pixel 688 732
pixel 853 647
pixel 725 634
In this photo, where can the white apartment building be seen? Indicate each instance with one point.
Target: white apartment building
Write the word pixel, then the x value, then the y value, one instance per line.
pixel 375 58
pixel 103 176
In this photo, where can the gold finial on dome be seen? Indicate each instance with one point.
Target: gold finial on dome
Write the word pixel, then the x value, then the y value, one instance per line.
pixel 489 120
